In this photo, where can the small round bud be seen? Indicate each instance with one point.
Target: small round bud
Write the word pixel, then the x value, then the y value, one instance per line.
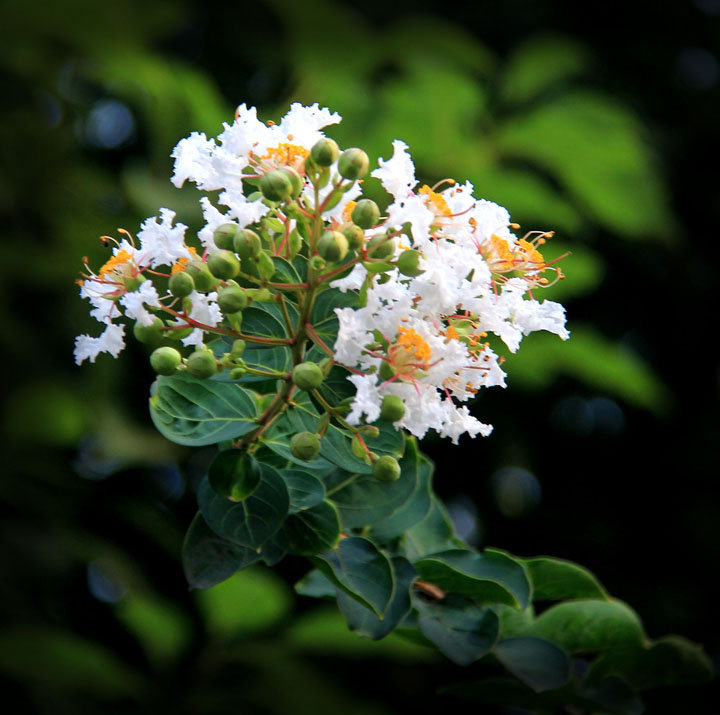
pixel 386 469
pixel 296 181
pixel 408 263
pixel 392 408
pixel 232 299
pixel 325 152
pixel 355 236
pixel 224 235
pixel 386 371
pixel 165 360
pixel 238 348
pixel 305 446
pixel 202 278
pixel 223 264
pixel 148 333
pixel 247 243
pixel 381 246
pixel 369 431
pixel 366 213
pixel 317 263
pixel 307 376
pixel 333 246
pixel 353 164
pixel 181 284
pixel 237 372
pixel 202 364
pixel 276 185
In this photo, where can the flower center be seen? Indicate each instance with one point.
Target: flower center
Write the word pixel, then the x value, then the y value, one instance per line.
pixel 118 266
pixel 287 154
pixel 436 202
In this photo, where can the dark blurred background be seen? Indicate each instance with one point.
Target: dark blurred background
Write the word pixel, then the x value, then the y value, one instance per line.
pixel 597 119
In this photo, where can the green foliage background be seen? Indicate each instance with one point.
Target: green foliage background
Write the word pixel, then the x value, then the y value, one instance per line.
pixel 96 612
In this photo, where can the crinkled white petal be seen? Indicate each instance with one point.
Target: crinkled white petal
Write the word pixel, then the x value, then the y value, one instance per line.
pixel 162 244
pixel 397 174
pixel 111 341
pixel 367 399
pixel 135 302
pixel 213 219
pixel 193 160
pixel 302 125
pixel 458 421
pixel 352 281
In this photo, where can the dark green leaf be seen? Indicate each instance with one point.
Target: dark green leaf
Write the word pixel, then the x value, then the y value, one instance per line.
pixel 555 580
pixel 461 629
pixel 266 358
pixel 284 271
pixel 253 521
pixel 433 534
pixel 209 559
pixel 514 622
pixel 315 585
pixel 312 530
pixel 266 320
pixel 305 489
pixel 537 662
pixel 613 694
pixel 358 568
pixel 197 412
pixel 490 577
pixel 230 477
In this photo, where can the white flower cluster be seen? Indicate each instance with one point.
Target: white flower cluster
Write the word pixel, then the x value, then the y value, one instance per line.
pixel 422 337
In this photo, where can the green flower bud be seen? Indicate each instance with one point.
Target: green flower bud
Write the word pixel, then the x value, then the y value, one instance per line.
pixel 132 283
pixel 386 371
pixel 224 235
pixel 317 263
pixel 223 264
pixel 296 181
pixel 247 243
pixel 265 266
pixel 232 299
pixel 355 236
pixel 366 213
pixel 148 333
pixel 325 152
pixel 165 361
pixel 333 246
pixel 381 246
pixel 408 262
pixel 307 376
pixel 238 348
pixel 203 279
pixel 386 469
pixel 305 446
pixel 353 164
pixel 392 409
pixel 276 185
pixel 295 242
pixel 181 284
pixel 237 372
pixel 369 431
pixel 202 364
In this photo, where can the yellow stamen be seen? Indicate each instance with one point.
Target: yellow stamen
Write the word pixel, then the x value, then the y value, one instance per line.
pixel 349 208
pixel 115 262
pixel 439 205
pixel 182 262
pixel 413 343
pixel 287 154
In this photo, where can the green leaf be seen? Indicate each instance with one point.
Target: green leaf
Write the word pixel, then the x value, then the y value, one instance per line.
pixel 312 530
pixel 209 559
pixel 284 271
pixel 305 489
pixel 513 622
pixel 253 521
pixel 358 568
pixel 364 622
pixel 230 476
pixel 316 585
pixel 556 580
pixel 589 626
pixel 366 500
pixel 323 317
pixel 613 694
pixel 260 357
pixel 536 662
pixel 434 533
pixel 461 629
pixel 266 320
pixel 277 439
pixel 197 412
pixel 490 577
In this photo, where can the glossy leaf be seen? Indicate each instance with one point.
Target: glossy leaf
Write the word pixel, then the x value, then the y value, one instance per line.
pixel 431 535
pixel 536 662
pixel 490 577
pixel 230 476
pixel 197 412
pixel 312 530
pixel 315 584
pixel 556 580
pixel 304 488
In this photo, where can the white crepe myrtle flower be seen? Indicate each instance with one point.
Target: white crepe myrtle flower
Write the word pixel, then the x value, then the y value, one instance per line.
pixel 111 341
pixel 134 303
pixel 205 310
pixel 162 244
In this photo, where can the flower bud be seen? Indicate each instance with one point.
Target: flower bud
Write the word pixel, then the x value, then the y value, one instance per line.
pixel 232 299
pixel 305 446
pixel 238 348
pixel 202 364
pixel 408 263
pixel 132 283
pixel 369 431
pixel 366 213
pixel 295 243
pixel 333 246
pixel 325 152
pixel 203 279
pixel 317 263
pixel 296 181
pixel 353 164
pixel 276 185
pixel 247 243
pixel 392 408
pixel 265 266
pixel 381 246
pixel 307 376
pixel 355 236
pixel 181 284
pixel 148 333
pixel 386 469
pixel 237 372
pixel 223 264
pixel 165 361
pixel 224 235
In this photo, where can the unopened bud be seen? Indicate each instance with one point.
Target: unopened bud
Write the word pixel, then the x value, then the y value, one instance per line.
pixel 408 263
pixel 295 243
pixel 232 299
pixel 296 181
pixel 238 348
pixel 237 372
pixel 369 431
pixel 203 279
pixel 307 376
pixel 355 236
pixel 247 243
pixel 333 246
pixel 224 235
pixel 317 263
pixel 386 469
pixel 305 446
pixel 165 361
pixel 202 364
pixel 366 213
pixel 381 246
pixel 325 152
pixel 392 409
pixel 223 264
pixel 276 185
pixel 265 266
pixel 181 284
pixel 148 333
pixel 353 164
